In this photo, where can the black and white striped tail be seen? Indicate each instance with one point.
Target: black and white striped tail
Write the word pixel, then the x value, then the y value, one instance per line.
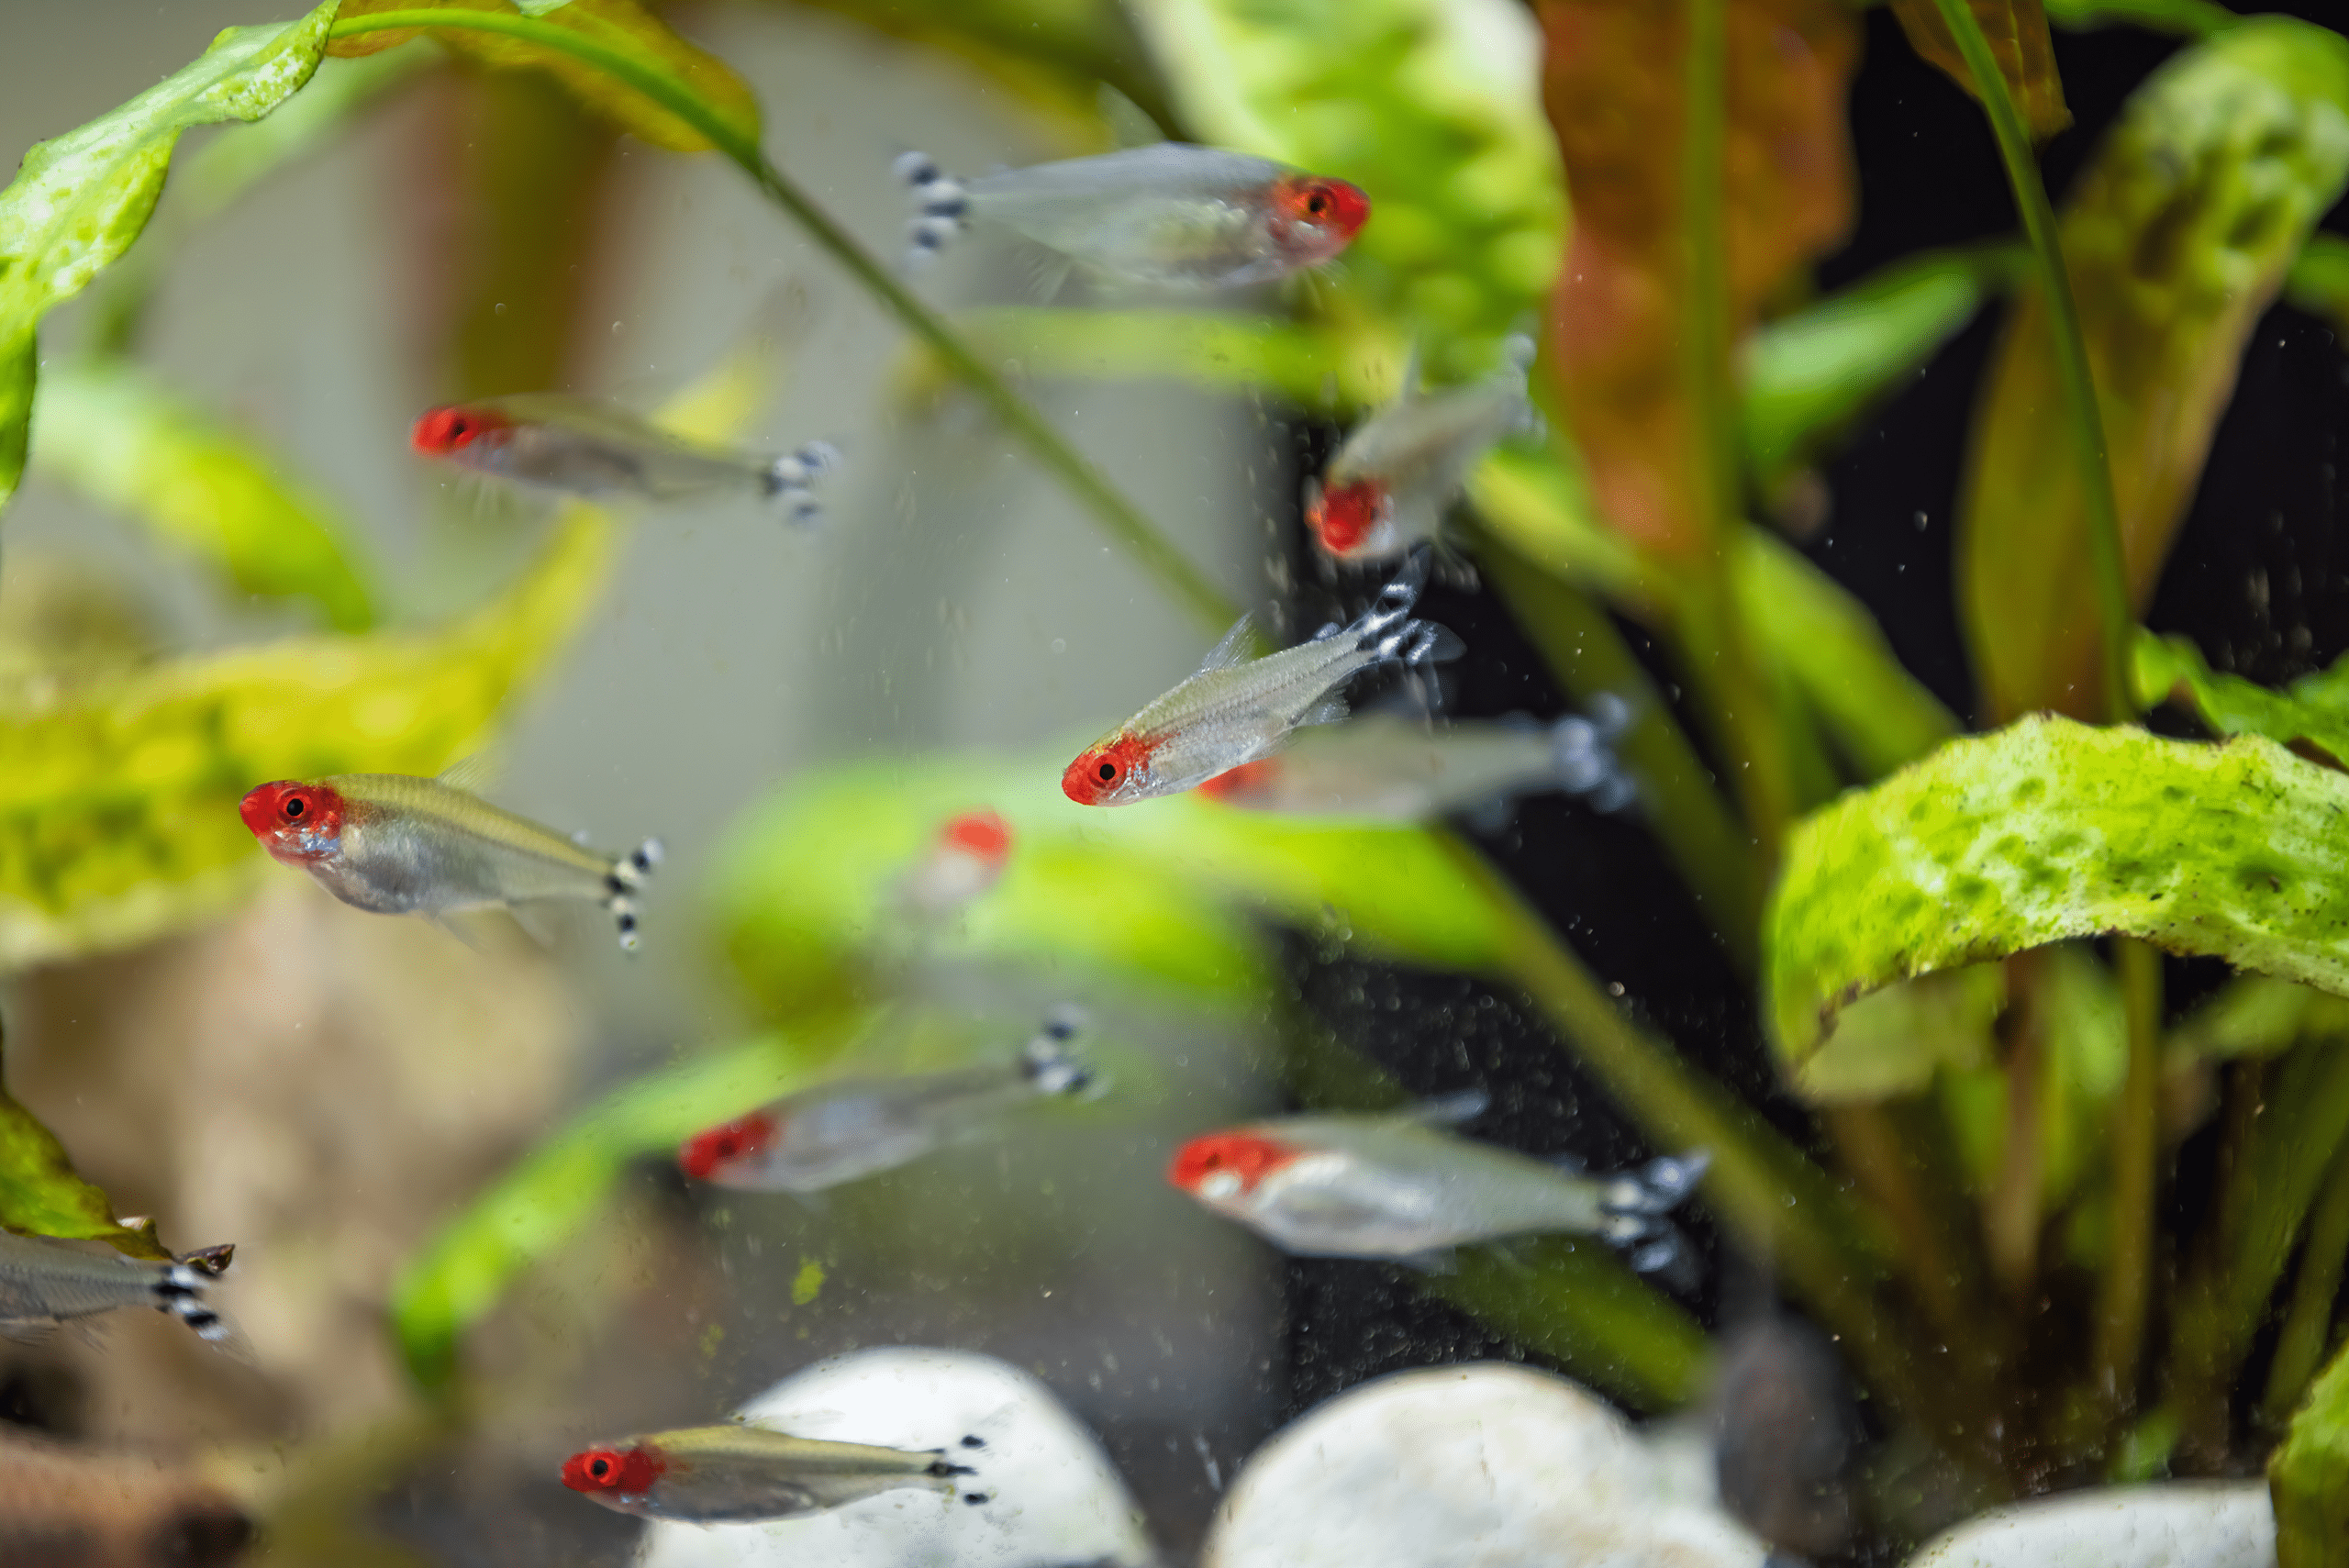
pixel 1049 1064
pixel 941 208
pixel 791 478
pixel 1387 630
pixel 179 1291
pixel 1636 1202
pixel 626 878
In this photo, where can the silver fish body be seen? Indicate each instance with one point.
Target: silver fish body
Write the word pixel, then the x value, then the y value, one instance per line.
pixel 1237 709
pixel 45 1282
pixel 1404 1187
pixel 592 449
pixel 733 1474
pixel 1408 463
pixel 1390 768
pixel 1169 216
pixel 395 844
pixel 855 1127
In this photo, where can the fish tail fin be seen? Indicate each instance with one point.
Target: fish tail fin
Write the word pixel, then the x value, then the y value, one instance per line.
pixel 1386 629
pixel 942 206
pixel 179 1292
pixel 1635 1204
pixel 627 877
pixel 1051 1066
pixel 791 478
pixel 1581 755
pixel 946 1470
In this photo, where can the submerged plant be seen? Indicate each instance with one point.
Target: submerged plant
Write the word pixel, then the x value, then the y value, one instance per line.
pixel 2069 1211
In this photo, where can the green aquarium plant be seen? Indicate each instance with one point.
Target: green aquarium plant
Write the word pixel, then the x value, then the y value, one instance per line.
pixel 1954 935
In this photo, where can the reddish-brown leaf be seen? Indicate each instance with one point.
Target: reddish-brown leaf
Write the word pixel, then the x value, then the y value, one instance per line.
pixel 1613 85
pixel 2017 33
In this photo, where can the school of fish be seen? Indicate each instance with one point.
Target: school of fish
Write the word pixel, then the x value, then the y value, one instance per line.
pixel 1264 729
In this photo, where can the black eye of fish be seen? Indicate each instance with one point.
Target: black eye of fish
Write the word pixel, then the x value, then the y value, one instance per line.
pixel 294 806
pixel 1316 204
pixel 1108 770
pixel 600 1469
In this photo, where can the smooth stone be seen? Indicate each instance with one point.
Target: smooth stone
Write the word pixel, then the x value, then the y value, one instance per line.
pixel 2175 1524
pixel 1482 1464
pixel 1056 1498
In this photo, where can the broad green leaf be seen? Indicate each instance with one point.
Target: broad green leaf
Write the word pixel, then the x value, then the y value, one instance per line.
pixel 1809 375
pixel 1615 87
pixel 560 1187
pixel 2311 716
pixel 119 808
pixel 104 429
pixel 2017 33
pixel 40 1195
pixel 2254 1016
pixel 1893 1041
pixel 2047 830
pixel 2178 236
pixel 1433 106
pixel 80 199
pixel 2318 280
pixel 2308 1475
pixel 621 25
pixel 1158 892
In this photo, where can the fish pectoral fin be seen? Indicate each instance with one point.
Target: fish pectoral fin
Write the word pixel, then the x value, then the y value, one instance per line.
pixel 1434 1261
pixel 28 1331
pixel 1237 647
pixel 1451 1110
pixel 1331 709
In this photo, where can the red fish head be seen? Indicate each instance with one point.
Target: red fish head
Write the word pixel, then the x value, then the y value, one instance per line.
pixel 295 821
pixel 711 1156
pixel 1110 774
pixel 1346 518
pixel 982 835
pixel 1238 784
pixel 1225 1165
pixel 1314 218
pixel 612 1471
pixel 453 427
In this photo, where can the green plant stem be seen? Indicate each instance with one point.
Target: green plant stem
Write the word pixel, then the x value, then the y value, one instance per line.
pixel 1589 658
pixel 2013 1210
pixel 1117 515
pixel 2308 1322
pixel 1779 1205
pixel 2071 354
pixel 1943 1272
pixel 1709 627
pixel 2128 1259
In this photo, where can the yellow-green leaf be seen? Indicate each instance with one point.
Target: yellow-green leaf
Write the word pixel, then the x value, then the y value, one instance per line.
pixel 622 25
pixel 104 428
pixel 2017 33
pixel 41 1195
pixel 80 199
pixel 119 804
pixel 2048 830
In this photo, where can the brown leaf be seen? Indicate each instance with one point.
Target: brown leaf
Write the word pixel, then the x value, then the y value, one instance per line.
pixel 2017 33
pixel 1613 88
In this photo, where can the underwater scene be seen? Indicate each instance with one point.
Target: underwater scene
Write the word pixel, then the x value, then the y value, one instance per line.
pixel 1133 783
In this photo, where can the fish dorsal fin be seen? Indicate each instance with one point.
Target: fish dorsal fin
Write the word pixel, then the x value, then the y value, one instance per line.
pixel 1451 1110
pixel 1129 124
pixel 1239 645
pixel 472 774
